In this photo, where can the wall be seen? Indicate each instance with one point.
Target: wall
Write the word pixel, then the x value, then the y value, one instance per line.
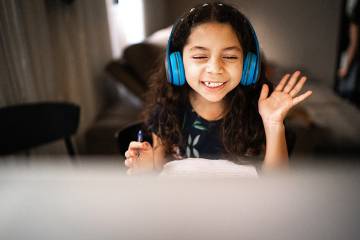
pixel 293 34
pixel 155 15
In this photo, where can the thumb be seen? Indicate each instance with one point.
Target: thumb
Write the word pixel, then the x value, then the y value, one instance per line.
pixel 146 145
pixel 264 92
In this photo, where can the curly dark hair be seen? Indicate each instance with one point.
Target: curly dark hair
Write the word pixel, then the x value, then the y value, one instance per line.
pixel 242 131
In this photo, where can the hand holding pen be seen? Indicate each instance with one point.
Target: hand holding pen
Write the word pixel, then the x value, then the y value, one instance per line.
pixel 139 156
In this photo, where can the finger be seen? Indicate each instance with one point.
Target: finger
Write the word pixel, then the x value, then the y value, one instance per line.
pixel 127 154
pixel 281 84
pixel 139 145
pixel 131 153
pixel 129 171
pixel 264 92
pixel 134 153
pixel 135 145
pixel 298 87
pixel 129 162
pixel 301 98
pixel 126 163
pixel 146 145
pixel 291 83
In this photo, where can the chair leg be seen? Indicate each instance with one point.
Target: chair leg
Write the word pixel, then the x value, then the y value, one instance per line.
pixel 70 147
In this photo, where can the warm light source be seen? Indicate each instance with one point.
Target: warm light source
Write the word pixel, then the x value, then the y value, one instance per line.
pixel 131 14
pixel 126 22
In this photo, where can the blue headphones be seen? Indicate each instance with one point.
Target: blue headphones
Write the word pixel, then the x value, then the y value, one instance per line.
pixel 175 67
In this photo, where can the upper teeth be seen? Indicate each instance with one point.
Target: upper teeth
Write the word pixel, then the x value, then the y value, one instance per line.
pixel 213 84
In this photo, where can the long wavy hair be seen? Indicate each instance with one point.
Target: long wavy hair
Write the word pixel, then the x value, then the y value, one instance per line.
pixel 242 131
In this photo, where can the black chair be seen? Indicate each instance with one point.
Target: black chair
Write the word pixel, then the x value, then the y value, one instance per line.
pixel 128 134
pixel 26 126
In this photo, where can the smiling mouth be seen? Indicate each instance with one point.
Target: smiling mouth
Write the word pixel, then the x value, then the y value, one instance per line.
pixel 213 84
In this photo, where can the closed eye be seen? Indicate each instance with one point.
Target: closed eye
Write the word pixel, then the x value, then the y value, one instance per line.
pixel 230 57
pixel 199 57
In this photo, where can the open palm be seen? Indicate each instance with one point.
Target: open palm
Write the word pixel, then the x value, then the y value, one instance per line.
pixel 275 107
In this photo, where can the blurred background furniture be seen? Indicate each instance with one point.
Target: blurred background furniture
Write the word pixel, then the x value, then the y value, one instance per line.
pixel 26 126
pixel 126 83
pixel 135 67
pixel 326 126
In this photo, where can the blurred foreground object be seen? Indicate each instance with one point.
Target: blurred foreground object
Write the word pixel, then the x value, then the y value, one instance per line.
pixel 101 202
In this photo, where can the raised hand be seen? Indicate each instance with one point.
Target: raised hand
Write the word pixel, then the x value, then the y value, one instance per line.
pixel 274 108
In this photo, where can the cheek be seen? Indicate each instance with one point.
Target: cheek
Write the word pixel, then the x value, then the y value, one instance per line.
pixel 236 73
pixel 192 71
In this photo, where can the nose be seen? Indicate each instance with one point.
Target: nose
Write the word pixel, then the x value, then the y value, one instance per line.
pixel 214 66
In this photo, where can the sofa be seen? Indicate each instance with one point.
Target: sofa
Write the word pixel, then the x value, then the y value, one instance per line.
pixel 125 83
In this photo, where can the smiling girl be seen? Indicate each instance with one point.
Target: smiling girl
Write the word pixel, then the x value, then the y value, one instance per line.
pixel 210 99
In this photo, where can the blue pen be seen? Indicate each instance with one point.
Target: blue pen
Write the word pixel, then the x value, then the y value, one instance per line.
pixel 139 139
pixel 140 136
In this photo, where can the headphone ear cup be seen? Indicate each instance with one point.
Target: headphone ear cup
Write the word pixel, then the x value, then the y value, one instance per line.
pixel 249 69
pixel 181 69
pixel 257 68
pixel 177 69
pixel 245 71
pixel 253 63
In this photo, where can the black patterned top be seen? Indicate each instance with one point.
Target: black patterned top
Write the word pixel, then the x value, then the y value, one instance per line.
pixel 202 137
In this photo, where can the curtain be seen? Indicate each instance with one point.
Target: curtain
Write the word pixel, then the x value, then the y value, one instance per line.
pixel 54 50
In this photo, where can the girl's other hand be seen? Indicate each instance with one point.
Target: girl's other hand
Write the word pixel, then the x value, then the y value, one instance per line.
pixel 139 157
pixel 274 108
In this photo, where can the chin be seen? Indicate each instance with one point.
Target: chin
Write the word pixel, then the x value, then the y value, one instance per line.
pixel 214 99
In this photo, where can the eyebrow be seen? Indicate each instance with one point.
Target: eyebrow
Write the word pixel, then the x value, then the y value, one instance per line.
pixel 224 49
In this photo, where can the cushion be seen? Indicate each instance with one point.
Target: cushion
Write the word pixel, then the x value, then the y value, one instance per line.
pixel 142 58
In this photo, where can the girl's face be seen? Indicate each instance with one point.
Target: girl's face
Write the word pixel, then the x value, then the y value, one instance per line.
pixel 213 61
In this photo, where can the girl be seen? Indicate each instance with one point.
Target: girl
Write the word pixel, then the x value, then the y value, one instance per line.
pixel 218 104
